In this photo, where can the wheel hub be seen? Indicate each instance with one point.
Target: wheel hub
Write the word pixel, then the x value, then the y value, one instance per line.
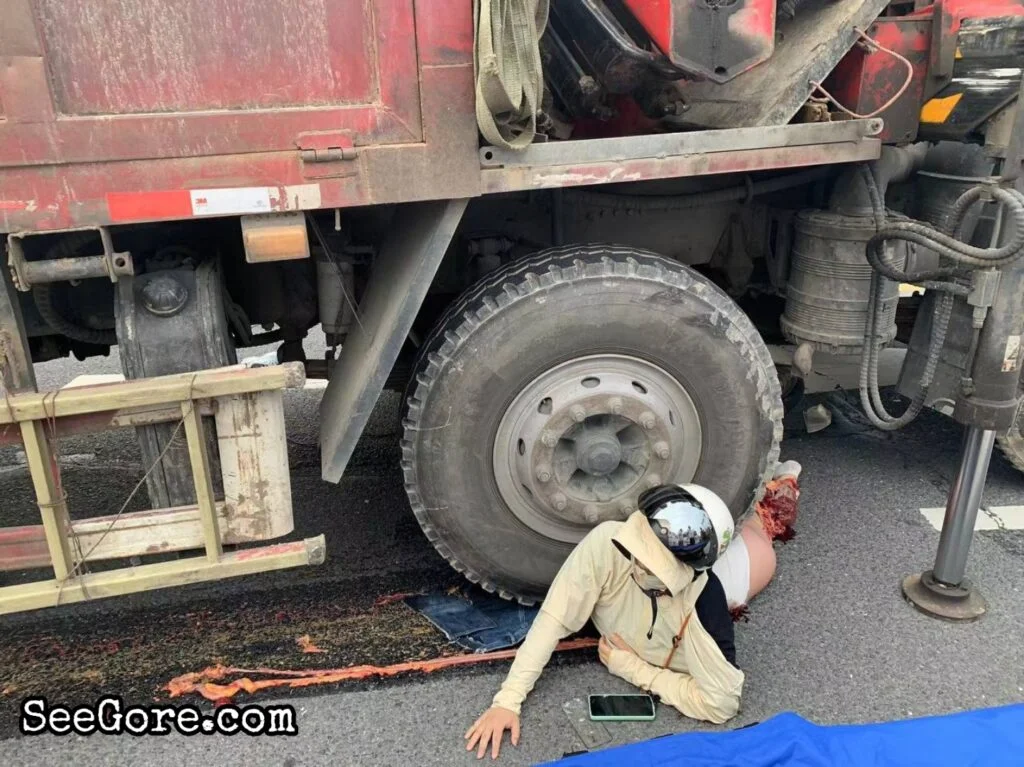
pixel 583 440
pixel 598 451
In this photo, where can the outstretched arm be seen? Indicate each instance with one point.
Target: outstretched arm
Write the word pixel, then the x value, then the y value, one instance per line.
pixel 530 661
pixel 503 714
pixel 568 605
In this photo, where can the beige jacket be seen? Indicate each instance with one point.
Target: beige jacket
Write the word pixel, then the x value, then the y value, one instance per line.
pixel 595 582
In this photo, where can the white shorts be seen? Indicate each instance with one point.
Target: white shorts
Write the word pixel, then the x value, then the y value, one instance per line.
pixel 733 570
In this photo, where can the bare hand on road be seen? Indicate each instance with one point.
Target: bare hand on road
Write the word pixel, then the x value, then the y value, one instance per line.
pixel 490 728
pixel 614 642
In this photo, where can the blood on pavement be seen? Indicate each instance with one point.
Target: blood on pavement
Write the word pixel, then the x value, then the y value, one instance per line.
pixel 209 683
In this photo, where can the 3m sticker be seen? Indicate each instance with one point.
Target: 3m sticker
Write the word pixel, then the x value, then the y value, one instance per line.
pixel 225 202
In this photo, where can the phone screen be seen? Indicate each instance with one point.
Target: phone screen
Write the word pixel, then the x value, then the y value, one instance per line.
pixel 621 706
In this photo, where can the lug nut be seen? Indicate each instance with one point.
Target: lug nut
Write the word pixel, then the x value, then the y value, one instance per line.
pixel 590 513
pixel 544 474
pixel 647 420
pixel 661 450
pixel 615 405
pixel 578 414
pixel 559 501
pixel 654 480
pixel 549 439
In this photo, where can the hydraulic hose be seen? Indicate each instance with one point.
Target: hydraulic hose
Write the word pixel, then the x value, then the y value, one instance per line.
pixel 43 296
pixel 964 257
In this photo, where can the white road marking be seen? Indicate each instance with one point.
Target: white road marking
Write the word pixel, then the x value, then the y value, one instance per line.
pixel 94 380
pixel 990 518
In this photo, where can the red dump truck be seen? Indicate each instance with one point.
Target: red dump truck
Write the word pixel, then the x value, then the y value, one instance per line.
pixel 566 230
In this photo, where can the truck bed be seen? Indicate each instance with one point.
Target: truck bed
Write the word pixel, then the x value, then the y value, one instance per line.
pixel 125 111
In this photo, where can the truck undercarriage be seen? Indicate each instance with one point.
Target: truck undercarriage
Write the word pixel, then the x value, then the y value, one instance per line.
pixel 573 317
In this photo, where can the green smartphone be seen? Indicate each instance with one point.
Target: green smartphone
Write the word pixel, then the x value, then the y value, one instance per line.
pixel 621 708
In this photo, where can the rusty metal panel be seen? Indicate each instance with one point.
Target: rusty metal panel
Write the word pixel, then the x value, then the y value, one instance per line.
pixel 444 165
pixel 152 79
pixel 864 81
pixel 715 40
pixel 413 138
pixel 807 48
pixel 528 177
pixel 616 160
pixel 114 57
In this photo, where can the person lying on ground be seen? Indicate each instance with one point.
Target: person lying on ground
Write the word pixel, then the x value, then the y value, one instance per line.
pixel 659 587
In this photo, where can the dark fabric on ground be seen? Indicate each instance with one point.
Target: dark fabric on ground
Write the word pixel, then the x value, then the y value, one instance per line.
pixel 481 623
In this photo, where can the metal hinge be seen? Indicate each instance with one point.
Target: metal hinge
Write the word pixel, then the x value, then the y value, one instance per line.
pixel 326 146
pixel 329 154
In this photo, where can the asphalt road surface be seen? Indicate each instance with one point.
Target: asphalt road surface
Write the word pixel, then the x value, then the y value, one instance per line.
pixel 831 638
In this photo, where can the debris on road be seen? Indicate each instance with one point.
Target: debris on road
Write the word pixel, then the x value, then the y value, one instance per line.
pixel 817 418
pixel 306 645
pixel 388 599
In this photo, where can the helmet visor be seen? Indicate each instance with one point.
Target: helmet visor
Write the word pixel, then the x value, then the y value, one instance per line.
pixel 685 529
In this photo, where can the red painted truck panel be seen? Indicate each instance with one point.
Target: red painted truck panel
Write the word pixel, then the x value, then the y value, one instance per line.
pixel 159 57
pixel 142 79
pixel 122 111
pixel 119 97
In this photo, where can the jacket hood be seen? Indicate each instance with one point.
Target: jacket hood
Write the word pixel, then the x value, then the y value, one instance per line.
pixel 637 537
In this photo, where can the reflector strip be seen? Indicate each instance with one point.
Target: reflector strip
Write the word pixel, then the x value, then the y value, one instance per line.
pixel 188 203
pixel 939 110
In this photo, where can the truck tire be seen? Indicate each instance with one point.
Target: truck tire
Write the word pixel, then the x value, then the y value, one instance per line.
pixel 562 385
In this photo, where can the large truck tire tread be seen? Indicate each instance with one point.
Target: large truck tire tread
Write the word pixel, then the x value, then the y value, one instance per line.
pixel 436 463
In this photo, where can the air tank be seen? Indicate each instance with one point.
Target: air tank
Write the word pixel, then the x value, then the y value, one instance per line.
pixel 829 283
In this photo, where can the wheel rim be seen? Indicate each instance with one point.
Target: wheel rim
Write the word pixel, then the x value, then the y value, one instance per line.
pixel 582 440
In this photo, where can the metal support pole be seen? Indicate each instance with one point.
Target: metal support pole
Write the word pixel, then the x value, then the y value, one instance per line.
pixel 943 591
pixel 988 406
pixel 962 506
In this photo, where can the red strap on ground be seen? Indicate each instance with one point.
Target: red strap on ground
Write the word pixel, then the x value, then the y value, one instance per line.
pixel 208 681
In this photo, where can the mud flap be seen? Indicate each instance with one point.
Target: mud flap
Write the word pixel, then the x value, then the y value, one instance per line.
pixel 402 273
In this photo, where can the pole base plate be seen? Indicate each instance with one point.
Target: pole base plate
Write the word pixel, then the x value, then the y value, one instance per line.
pixel 959 604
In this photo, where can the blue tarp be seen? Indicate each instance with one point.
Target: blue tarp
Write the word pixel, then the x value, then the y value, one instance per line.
pixel 987 737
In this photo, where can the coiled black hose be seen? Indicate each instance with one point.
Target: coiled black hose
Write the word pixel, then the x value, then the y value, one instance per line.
pixel 964 257
pixel 43 295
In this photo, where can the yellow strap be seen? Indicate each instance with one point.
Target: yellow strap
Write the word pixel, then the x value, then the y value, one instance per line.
pixel 507 67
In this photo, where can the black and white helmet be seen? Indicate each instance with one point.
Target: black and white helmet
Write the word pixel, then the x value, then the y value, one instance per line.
pixel 691 521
